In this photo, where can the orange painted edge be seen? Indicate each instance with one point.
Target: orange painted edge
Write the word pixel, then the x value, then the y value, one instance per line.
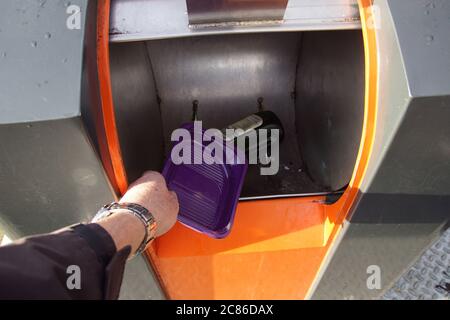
pixel 342 208
pixel 107 105
pixel 371 100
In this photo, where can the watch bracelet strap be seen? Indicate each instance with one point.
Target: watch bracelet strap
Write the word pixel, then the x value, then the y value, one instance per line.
pixel 135 209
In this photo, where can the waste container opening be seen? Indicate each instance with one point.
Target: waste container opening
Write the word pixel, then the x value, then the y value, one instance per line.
pixel 313 81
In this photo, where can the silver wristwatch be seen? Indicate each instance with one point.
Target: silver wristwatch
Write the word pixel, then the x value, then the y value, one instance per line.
pixel 139 211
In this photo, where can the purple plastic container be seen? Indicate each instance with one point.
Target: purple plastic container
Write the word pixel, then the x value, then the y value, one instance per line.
pixel 207 193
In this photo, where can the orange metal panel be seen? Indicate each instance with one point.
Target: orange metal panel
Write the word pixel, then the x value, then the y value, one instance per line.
pixel 273 247
pixel 283 274
pixel 260 226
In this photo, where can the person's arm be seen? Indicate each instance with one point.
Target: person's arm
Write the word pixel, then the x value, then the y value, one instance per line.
pixel 150 191
pixel 44 266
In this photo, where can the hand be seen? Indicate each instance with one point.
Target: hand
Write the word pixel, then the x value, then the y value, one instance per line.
pixel 150 191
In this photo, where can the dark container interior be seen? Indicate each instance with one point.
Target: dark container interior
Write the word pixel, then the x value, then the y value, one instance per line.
pixel 313 81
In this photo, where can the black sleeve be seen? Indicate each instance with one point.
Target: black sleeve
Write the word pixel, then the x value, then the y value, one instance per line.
pixel 80 262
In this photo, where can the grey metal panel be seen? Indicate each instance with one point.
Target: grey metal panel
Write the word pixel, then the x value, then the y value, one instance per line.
pixel 417 162
pixel 136 107
pixel 89 91
pixel 227 74
pixel 50 176
pixel 160 19
pixel 423 30
pixel 219 11
pixel 40 61
pixel 405 197
pixel 140 282
pixel 330 104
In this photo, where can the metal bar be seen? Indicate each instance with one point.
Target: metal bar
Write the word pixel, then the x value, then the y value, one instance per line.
pixel 160 19
pixel 224 11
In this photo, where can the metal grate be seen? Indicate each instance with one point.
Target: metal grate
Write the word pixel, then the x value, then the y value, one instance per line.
pixel 429 277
